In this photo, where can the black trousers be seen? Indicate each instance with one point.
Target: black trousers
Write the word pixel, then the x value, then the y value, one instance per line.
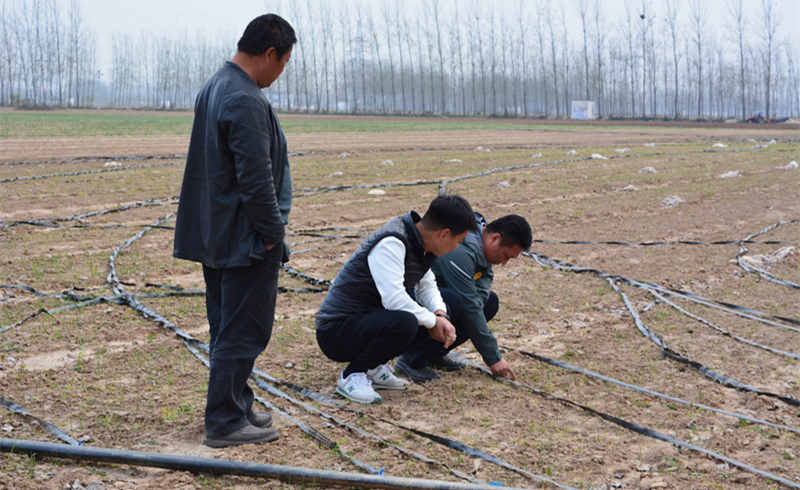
pixel 240 303
pixel 425 349
pixel 368 340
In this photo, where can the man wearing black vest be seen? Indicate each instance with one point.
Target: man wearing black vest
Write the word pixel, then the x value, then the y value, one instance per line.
pixel 234 204
pixel 385 297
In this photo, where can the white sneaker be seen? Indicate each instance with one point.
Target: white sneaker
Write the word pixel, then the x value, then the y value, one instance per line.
pixel 357 387
pixel 383 378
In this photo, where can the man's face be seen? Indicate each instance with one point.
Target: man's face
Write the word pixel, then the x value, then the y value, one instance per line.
pixel 273 66
pixel 446 241
pixel 496 253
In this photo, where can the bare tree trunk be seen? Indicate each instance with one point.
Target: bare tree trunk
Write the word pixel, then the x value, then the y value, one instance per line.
pixel 387 20
pixel 599 29
pixel 553 59
pixel 672 22
pixel 440 51
pixel 769 27
pixel 582 14
pixel 523 58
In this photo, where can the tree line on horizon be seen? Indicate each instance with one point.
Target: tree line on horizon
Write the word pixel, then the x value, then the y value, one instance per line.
pixel 523 58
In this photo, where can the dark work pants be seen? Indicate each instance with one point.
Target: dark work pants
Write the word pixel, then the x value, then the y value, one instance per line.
pixel 240 303
pixel 425 349
pixel 369 340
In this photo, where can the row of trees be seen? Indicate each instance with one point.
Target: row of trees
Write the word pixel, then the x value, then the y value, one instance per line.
pixel 507 58
pixel 47 54
pixel 533 57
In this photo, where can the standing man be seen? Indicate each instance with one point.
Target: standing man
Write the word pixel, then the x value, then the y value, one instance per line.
pixel 385 297
pixel 234 203
pixel 465 279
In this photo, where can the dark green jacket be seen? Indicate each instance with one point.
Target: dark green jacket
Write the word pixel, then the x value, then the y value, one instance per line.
pixel 466 271
pixel 236 191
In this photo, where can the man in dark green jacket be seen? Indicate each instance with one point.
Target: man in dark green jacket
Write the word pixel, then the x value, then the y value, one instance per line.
pixel 234 203
pixel 465 278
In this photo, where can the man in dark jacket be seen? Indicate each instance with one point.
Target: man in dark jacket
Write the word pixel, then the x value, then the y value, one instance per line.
pixel 234 203
pixel 465 279
pixel 385 297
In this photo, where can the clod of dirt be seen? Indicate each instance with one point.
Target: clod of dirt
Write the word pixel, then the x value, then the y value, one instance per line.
pixel 719 145
pixel 671 201
pixel 536 155
pixel 789 166
pixel 503 184
pixel 650 145
pixel 572 153
pixel 771 142
pixel 647 170
pixel 337 174
pixel 758 147
pixel 622 150
pixel 597 156
pixel 482 149
pixel 729 175
pixel 387 163
pixel 343 154
pixel 377 192
pixel 112 164
pixel 453 160
pixel 630 188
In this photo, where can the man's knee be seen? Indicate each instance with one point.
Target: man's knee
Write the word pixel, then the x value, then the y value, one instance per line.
pixel 406 326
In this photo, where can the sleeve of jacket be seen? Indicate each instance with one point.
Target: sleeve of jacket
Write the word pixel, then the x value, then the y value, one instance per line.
pixel 459 269
pixel 244 121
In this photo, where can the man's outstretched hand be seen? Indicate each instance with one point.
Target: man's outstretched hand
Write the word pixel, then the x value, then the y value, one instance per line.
pixel 502 368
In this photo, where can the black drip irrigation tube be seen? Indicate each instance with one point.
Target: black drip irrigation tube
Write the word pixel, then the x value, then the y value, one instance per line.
pixel 655 394
pixel 659 242
pixel 54 223
pixel 656 339
pixel 120 158
pixel 89 172
pixel 635 427
pixel 290 474
pixel 10 405
pixel 325 441
pixel 757 270
pixel 449 443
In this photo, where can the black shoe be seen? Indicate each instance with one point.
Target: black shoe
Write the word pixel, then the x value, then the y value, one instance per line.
pixel 418 375
pixel 446 363
pixel 260 419
pixel 249 434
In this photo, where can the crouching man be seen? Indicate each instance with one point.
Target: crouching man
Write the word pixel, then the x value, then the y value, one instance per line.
pixel 385 297
pixel 465 280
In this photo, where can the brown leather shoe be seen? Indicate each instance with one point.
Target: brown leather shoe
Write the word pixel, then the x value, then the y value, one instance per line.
pixel 249 434
pixel 260 419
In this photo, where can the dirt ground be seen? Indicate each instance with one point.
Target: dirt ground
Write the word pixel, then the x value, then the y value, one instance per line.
pixel 110 377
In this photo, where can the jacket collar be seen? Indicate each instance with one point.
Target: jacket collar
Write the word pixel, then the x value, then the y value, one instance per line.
pixel 415 242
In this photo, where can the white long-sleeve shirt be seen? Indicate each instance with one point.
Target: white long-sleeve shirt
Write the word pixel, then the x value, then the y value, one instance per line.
pixel 386 263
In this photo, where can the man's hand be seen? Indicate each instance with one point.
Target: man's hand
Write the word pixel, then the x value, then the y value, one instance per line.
pixel 502 368
pixel 443 331
pixel 270 247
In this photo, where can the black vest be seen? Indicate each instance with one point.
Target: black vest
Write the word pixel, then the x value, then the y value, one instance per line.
pixel 354 291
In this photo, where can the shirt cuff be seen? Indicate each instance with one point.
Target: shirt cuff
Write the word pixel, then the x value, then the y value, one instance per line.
pixel 427 319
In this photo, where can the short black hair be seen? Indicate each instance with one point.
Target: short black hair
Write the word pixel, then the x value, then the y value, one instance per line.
pixel 514 229
pixel 267 31
pixel 450 211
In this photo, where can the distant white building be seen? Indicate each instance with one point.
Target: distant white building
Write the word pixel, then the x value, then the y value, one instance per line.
pixel 583 109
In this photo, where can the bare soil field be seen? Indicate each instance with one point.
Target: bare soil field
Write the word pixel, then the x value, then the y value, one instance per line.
pixel 657 220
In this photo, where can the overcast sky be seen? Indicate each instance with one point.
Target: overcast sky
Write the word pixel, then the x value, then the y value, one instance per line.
pixel 227 18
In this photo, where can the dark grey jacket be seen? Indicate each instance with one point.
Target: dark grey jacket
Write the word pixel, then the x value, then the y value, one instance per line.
pixel 467 272
pixel 354 291
pixel 235 176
